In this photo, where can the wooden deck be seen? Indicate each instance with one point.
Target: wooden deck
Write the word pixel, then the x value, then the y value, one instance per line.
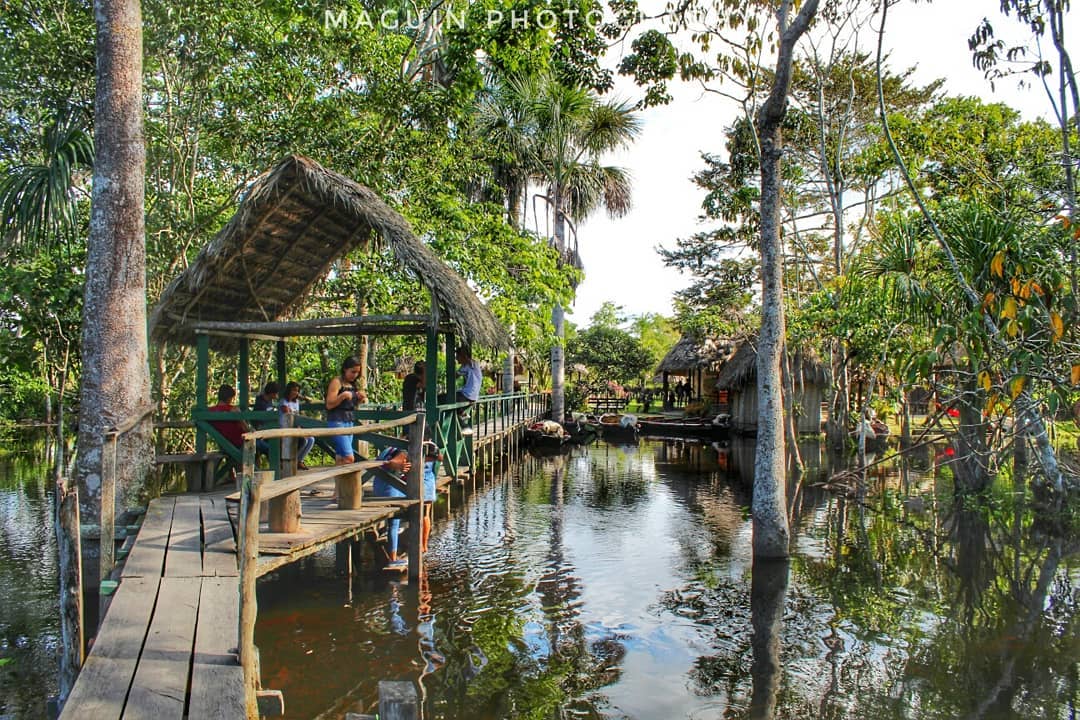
pixel 166 648
pixel 168 645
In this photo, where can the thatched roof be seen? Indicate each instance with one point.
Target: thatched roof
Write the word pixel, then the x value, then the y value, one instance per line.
pixel 741 367
pixel 293 223
pixel 691 353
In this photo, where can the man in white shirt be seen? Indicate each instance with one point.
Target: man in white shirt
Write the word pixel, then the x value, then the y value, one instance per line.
pixel 470 390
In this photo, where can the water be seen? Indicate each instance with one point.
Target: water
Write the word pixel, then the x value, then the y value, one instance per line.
pixel 617 582
pixel 29 624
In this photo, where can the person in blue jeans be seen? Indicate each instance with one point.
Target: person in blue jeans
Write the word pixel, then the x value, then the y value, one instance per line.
pixel 388 482
pixel 342 398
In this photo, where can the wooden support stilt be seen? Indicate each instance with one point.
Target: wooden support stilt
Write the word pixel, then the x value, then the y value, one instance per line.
pixel 398 700
pixel 107 538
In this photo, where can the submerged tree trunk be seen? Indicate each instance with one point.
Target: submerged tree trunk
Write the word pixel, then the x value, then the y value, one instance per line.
pixel 558 362
pixel 769 508
pixel 116 372
pixel 836 428
pixel 790 413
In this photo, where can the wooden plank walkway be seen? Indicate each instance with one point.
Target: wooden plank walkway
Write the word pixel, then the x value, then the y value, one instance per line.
pixel 166 648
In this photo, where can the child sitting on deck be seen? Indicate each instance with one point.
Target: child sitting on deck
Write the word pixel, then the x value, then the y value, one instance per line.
pixel 389 481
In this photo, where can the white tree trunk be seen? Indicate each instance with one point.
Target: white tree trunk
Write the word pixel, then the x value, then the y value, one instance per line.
pixel 769 507
pixel 558 366
pixel 116 372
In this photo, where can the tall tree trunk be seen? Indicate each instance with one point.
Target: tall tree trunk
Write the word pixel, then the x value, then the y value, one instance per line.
pixel 116 373
pixel 791 417
pixel 558 364
pixel 769 507
pixel 836 428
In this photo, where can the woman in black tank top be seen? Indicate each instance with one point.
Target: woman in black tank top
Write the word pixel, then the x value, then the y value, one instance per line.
pixel 342 398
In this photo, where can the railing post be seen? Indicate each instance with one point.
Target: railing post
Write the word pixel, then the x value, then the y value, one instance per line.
pixel 249 558
pixel 415 491
pixel 107 524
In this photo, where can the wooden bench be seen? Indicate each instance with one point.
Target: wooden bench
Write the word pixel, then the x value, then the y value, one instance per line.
pixel 283 496
pixel 198 468
pixel 607 404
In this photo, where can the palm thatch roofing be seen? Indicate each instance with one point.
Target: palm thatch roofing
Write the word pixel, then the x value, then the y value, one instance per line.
pixel 690 354
pixel 292 224
pixel 741 368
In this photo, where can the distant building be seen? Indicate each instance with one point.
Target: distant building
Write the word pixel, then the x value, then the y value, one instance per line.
pixel 736 386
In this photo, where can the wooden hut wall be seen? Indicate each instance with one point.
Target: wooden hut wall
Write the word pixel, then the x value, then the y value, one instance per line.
pixel 744 409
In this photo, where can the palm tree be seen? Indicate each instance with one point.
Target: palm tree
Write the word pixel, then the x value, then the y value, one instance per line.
pixel 38 200
pixel 554 135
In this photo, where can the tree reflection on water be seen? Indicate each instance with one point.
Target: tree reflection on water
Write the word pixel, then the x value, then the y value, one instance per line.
pixel 616 582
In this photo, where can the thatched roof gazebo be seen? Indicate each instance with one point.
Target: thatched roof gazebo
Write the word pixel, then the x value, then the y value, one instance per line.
pixel 695 358
pixel 252 280
pixel 737 381
pixel 292 224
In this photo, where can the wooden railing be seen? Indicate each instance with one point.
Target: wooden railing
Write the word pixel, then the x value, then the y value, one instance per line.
pixel 250 497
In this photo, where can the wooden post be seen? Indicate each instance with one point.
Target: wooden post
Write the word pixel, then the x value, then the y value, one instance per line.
pixel 202 379
pixel 415 482
pixel 107 537
pixel 70 561
pixel 350 490
pixel 280 362
pixel 249 558
pixel 288 447
pixel 398 700
pixel 243 375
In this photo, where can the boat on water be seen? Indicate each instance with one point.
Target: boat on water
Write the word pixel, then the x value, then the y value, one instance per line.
pixel 711 428
pixel 546 433
pixel 619 427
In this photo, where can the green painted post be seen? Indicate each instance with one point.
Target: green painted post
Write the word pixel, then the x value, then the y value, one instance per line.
pixel 431 378
pixel 453 437
pixel 281 358
pixel 202 379
pixel 243 372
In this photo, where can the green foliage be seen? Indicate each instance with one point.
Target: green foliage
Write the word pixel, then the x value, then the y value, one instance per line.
pixel 610 354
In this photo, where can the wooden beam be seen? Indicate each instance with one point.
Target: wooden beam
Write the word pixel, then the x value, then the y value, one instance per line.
pixel 415 480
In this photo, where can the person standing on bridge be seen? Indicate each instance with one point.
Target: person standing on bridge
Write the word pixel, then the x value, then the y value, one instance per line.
pixel 342 398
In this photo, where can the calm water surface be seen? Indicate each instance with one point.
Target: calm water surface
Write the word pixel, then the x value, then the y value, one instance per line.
pixel 29 623
pixel 617 582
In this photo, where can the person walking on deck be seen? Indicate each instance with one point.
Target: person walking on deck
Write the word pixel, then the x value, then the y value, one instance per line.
pixel 342 399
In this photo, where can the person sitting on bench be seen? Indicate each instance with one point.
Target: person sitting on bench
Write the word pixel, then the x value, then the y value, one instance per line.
pixel 233 430
pixel 389 481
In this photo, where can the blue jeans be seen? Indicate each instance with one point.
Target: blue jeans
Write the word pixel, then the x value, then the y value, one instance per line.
pixel 342 443
pixel 382 488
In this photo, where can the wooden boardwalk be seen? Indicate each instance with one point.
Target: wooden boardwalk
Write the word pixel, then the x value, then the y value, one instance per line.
pixel 168 645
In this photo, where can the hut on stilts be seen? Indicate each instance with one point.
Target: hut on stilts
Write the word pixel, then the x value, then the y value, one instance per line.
pixel 698 360
pixel 252 280
pixel 737 383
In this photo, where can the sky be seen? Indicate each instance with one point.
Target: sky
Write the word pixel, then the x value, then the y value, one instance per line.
pixel 621 264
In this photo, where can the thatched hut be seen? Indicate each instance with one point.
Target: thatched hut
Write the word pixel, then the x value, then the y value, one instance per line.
pixel 252 280
pixel 698 361
pixel 737 384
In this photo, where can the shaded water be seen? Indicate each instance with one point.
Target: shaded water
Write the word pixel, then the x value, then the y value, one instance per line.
pixel 29 623
pixel 617 583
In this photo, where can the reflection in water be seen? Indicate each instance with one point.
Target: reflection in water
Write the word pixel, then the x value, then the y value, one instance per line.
pixel 29 626
pixel 616 582
pixel 768 589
